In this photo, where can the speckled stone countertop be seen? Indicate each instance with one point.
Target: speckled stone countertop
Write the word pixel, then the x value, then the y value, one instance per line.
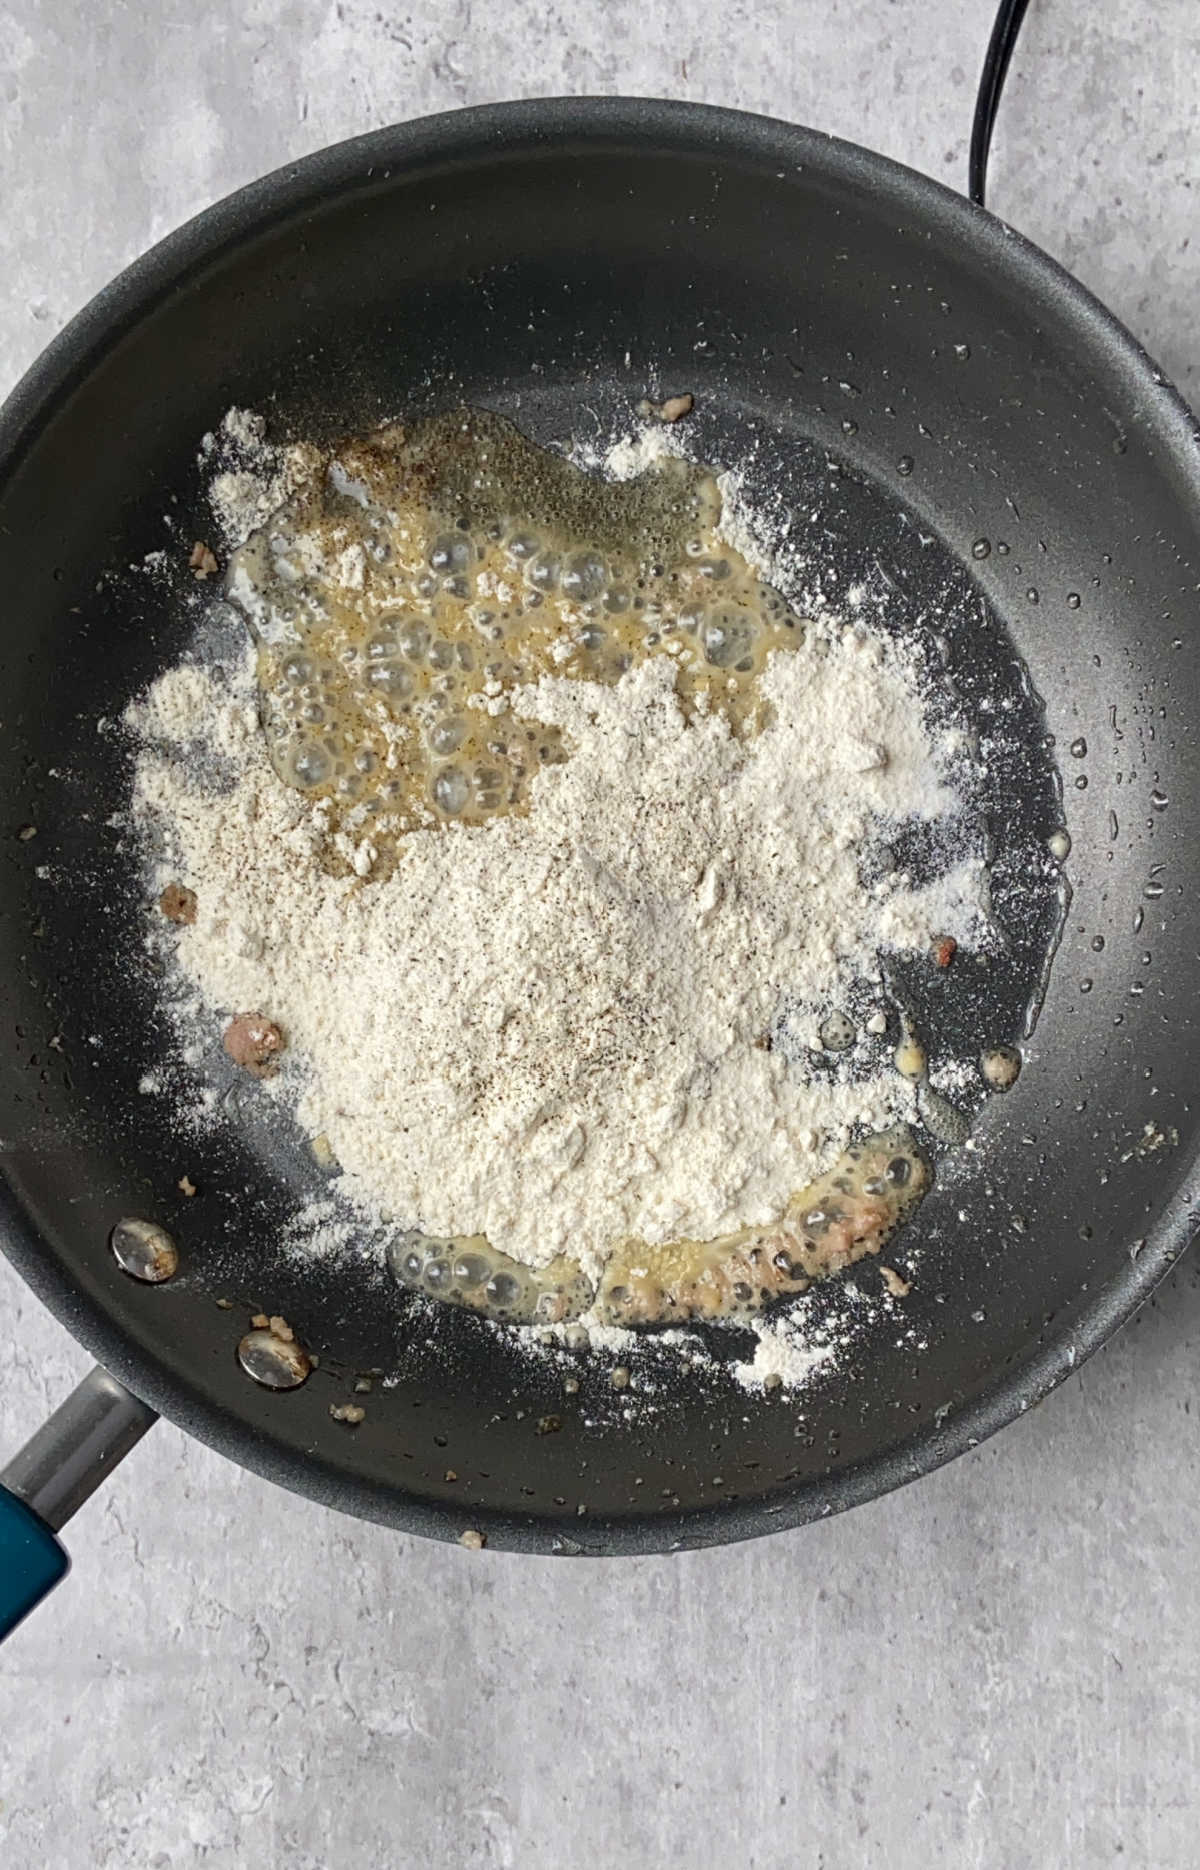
pixel 995 1668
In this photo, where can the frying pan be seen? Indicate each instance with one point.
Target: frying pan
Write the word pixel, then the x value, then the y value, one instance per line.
pixel 967 422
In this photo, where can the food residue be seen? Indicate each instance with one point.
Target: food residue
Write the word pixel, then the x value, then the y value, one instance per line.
pixel 178 903
pixel 254 1043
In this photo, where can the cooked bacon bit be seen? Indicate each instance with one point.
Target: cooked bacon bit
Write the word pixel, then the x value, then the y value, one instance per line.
pixel 944 950
pixel 254 1043
pixel 178 903
pixel 351 1413
pixel 261 1322
pixel 203 560
pixel 185 1185
pixel 674 408
pixel 898 1287
pixel 280 1328
pixel 474 1541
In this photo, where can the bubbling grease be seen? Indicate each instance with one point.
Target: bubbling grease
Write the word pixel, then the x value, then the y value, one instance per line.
pixel 397 600
pixel 415 581
pixel 849 1212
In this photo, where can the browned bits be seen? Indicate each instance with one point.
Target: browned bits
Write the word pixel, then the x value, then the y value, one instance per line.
pixel 896 1285
pixel 281 1328
pixel 178 903
pixel 674 408
pixel 1001 1067
pixel 944 950
pixel 619 1378
pixel 26 833
pixel 186 1186
pixel 350 1413
pixel 261 1322
pixel 474 1541
pixel 203 560
pixel 254 1043
pixel 548 1425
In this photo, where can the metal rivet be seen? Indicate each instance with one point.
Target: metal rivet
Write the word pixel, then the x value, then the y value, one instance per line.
pixel 273 1361
pixel 144 1250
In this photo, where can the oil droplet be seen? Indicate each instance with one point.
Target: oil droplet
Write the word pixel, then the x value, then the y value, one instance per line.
pixel 1159 801
pixel 962 352
pixel 1139 917
pixel 1079 748
pixel 1033 594
pixel 1098 943
pixel 837 1032
pixel 1073 600
pixel 1002 547
pixel 848 427
pixel 981 548
pixel 1081 782
pixel 905 464
pixel 1113 826
pixel 1153 890
pixel 1085 985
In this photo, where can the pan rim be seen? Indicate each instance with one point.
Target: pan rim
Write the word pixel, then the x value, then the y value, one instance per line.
pixel 460 136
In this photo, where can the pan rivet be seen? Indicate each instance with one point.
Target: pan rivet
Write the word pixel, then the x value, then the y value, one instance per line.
pixel 275 1362
pixel 144 1250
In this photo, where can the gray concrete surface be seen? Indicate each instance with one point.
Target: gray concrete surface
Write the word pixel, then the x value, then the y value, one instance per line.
pixel 998 1668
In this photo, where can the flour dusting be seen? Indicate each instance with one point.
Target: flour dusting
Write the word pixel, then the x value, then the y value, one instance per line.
pixel 603 1020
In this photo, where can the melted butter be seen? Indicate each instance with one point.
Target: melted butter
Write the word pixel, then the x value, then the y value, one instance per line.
pixel 851 1211
pixel 397 601
pixel 415 581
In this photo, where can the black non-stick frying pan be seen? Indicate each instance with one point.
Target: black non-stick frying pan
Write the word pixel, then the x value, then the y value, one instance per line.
pixel 971 427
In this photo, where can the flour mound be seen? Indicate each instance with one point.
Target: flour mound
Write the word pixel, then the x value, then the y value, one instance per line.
pixel 556 1030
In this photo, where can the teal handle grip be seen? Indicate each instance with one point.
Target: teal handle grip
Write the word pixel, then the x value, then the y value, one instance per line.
pixel 31 1560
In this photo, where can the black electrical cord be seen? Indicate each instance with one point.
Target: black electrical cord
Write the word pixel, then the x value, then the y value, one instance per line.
pixel 991 84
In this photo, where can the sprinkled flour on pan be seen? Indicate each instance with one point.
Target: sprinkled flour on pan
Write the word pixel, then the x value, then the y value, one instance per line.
pixel 650 1006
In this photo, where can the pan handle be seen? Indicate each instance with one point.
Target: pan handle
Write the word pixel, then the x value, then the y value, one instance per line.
pixel 50 1479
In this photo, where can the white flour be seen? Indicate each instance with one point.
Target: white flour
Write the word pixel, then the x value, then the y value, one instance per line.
pixel 551 1029
pixel 548 1029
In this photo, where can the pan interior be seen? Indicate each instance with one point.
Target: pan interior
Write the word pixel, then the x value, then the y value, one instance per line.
pixel 868 359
